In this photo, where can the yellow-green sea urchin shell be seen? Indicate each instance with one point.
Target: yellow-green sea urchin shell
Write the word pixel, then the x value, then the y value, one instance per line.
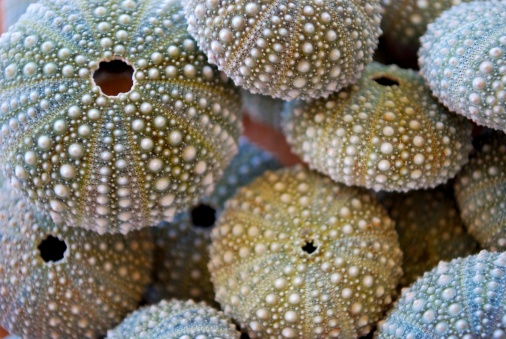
pixel 480 189
pixel 175 320
pixel 287 49
pixel 430 230
pixel 181 253
pixel 61 282
pixel 112 163
pixel 386 133
pixel 463 59
pixel 464 298
pixel 295 255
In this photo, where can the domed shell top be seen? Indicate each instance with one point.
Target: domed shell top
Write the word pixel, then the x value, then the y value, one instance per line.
pixel 430 230
pixel 112 163
pixel 181 252
pixel 295 255
pixel 464 298
pixel 463 59
pixel 287 49
pixel 480 189
pixel 385 133
pixel 61 282
pixel 175 319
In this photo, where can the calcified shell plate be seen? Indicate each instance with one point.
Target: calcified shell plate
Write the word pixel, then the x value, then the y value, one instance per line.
pixel 464 298
pixel 176 319
pixel 295 255
pixel 463 59
pixel 286 49
pixel 77 291
pixel 112 163
pixel 385 133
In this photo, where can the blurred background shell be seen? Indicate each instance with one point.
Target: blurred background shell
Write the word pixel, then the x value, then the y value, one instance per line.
pixel 181 253
pixel 295 255
pixel 464 298
pixel 112 162
pixel 12 10
pixel 175 319
pixel 287 50
pixel 480 189
pixel 65 282
pixel 430 230
pixel 463 60
pixel 262 109
pixel 386 132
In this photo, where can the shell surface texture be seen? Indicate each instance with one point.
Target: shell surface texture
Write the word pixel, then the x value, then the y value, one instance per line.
pixel 112 163
pixel 295 255
pixel 175 319
pixel 385 133
pixel 463 59
pixel 66 282
pixel 464 298
pixel 287 49
pixel 480 189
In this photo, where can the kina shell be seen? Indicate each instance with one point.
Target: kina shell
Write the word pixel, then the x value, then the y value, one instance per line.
pixel 181 252
pixel 97 282
pixel 480 189
pixel 175 319
pixel 287 49
pixel 463 59
pixel 295 255
pixel 112 163
pixel 384 137
pixel 464 298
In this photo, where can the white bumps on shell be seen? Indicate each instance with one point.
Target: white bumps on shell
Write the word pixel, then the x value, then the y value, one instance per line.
pixel 463 59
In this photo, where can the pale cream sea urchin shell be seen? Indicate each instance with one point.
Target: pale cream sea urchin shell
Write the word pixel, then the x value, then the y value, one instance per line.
pixel 295 255
pixel 463 59
pixel 386 132
pixel 287 49
pixel 112 163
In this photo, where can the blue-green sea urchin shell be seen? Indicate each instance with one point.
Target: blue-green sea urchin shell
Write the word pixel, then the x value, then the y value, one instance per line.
pixel 480 189
pixel 181 252
pixel 175 319
pixel 464 298
pixel 381 136
pixel 112 163
pixel 295 255
pixel 287 49
pixel 430 230
pixel 79 291
pixel 463 59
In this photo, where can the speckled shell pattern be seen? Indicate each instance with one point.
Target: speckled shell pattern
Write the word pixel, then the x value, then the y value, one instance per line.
pixel 97 282
pixel 464 298
pixel 295 255
pixel 480 189
pixel 393 138
pixel 463 59
pixel 176 319
pixel 181 254
pixel 112 163
pixel 430 230
pixel 287 49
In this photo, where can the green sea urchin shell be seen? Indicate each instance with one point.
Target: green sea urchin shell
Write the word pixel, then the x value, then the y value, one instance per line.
pixel 463 59
pixel 112 163
pixel 181 253
pixel 385 133
pixel 480 189
pixel 430 230
pixel 299 49
pixel 464 298
pixel 176 320
pixel 295 255
pixel 61 282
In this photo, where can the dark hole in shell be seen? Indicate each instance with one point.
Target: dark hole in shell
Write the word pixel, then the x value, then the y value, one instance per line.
pixel 385 81
pixel 52 249
pixel 309 247
pixel 114 77
pixel 203 216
